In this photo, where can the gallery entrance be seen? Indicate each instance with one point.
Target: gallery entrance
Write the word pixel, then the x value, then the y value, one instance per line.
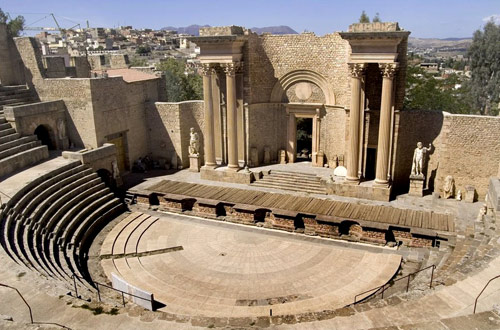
pixel 304 139
pixel 303 132
pixel 44 135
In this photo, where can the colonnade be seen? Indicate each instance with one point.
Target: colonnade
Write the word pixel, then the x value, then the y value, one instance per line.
pixel 384 134
pixel 209 70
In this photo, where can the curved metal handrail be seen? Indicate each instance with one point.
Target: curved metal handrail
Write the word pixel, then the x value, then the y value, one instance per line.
pixel 480 293
pixel 29 308
pixel 407 286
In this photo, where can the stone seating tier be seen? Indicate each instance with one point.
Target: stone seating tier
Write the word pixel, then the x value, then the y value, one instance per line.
pixel 51 221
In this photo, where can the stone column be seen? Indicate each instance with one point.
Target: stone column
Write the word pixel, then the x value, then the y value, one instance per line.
pixel 316 145
pixel 242 160
pixel 232 123
pixel 384 131
pixel 353 156
pixel 216 101
pixel 291 148
pixel 209 116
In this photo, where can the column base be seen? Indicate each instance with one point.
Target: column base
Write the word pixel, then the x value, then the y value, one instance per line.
pixel 381 183
pixel 209 166
pixel 232 168
pixel 351 180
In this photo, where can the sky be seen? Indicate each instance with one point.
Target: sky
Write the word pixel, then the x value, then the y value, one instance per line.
pixel 424 18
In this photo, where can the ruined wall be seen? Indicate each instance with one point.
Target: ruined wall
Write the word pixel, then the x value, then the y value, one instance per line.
pixel 466 147
pixel 11 72
pixel 77 96
pixel 169 125
pixel 120 107
pixel 269 57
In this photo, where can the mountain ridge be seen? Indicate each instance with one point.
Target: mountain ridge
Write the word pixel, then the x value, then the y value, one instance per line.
pixel 193 29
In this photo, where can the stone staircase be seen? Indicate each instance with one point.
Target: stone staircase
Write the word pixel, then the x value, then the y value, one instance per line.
pixel 15 95
pixel 15 151
pixel 292 181
pixel 49 224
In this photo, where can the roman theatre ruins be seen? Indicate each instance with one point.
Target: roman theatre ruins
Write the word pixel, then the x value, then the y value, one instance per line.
pixel 297 193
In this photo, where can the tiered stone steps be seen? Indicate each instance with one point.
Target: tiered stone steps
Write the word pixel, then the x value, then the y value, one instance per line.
pixel 17 152
pixel 293 181
pixel 49 224
pixel 15 95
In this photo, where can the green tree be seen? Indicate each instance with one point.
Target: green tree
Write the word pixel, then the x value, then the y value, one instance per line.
pixel 376 19
pixel 180 85
pixel 15 25
pixel 426 92
pixel 143 50
pixel 136 61
pixel 364 18
pixel 484 57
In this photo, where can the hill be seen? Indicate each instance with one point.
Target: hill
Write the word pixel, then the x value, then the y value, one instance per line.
pixel 194 29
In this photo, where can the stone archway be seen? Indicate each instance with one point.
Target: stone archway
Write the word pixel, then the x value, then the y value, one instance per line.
pixel 297 76
pixel 45 135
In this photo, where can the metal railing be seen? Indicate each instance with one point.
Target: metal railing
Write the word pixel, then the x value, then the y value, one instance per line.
pixel 383 287
pixel 480 293
pixel 29 308
pixel 98 288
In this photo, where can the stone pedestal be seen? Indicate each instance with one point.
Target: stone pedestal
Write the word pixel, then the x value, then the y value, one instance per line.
pixel 194 163
pixel 470 194
pixel 416 185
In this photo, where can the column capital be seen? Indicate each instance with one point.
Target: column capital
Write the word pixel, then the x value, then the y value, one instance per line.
pixel 388 69
pixel 207 69
pixel 231 68
pixel 357 69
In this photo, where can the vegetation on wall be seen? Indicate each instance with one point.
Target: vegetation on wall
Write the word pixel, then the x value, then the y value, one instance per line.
pixel 181 85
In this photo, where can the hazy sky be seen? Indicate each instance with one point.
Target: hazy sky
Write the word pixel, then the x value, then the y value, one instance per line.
pixel 424 18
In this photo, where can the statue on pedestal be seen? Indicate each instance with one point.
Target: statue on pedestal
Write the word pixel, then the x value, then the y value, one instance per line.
pixel 419 159
pixel 194 143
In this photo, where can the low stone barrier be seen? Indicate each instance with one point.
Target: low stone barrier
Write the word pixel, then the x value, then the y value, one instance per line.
pixel 138 296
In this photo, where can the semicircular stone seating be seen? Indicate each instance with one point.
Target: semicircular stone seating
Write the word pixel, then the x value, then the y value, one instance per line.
pixel 49 224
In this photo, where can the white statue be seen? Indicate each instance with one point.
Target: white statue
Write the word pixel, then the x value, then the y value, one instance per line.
pixel 194 143
pixel 116 170
pixel 61 129
pixel 459 195
pixel 449 187
pixel 419 159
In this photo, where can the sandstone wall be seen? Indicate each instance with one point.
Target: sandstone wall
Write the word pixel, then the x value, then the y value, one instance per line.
pixel 269 57
pixel 120 108
pixel 11 72
pixel 470 151
pixel 77 96
pixel 333 132
pixel 466 147
pixel 169 127
pixel 267 128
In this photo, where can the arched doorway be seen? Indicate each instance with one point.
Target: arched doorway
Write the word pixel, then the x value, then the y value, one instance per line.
pixel 107 178
pixel 43 134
